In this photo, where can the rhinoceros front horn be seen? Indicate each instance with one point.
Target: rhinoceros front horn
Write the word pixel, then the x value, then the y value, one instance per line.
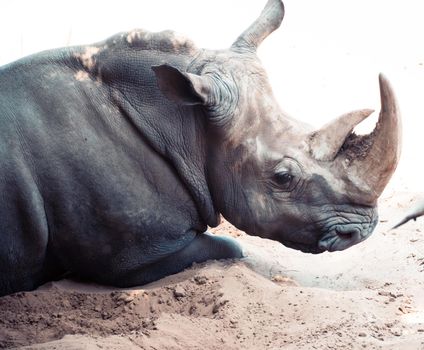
pixel 366 162
pixel 269 20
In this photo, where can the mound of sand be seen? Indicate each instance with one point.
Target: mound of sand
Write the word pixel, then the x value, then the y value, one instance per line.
pixel 365 297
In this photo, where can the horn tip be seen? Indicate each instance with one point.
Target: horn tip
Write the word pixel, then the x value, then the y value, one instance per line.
pixel 367 112
pixel 382 77
pixel 403 221
pixel 385 85
pixel 387 95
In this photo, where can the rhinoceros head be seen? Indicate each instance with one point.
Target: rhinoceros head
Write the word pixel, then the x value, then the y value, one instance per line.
pixel 271 175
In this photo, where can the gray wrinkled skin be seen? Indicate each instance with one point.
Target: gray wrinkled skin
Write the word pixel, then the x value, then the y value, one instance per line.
pixel 115 157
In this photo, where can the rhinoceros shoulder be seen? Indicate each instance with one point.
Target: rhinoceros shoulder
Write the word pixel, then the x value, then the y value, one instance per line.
pixel 166 41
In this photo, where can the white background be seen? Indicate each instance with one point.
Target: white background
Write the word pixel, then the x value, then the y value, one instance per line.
pixel 322 62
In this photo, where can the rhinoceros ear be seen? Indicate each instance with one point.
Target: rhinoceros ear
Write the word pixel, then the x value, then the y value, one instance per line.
pixel 181 87
pixel 268 21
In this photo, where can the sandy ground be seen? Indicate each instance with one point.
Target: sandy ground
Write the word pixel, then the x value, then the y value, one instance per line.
pixel 369 296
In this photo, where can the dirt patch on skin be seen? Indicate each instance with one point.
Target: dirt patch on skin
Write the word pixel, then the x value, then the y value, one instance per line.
pixel 357 146
pixel 87 58
pixel 365 297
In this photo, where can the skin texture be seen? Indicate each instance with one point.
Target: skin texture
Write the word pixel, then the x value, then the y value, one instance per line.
pixel 115 157
pixel 100 175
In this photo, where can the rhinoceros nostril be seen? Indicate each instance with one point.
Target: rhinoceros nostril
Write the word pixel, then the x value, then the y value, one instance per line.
pixel 348 232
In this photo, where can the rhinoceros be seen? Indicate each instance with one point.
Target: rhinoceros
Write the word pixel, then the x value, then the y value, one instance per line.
pixel 416 211
pixel 116 156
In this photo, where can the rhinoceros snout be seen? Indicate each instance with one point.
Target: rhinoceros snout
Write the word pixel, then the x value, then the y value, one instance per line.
pixel 343 236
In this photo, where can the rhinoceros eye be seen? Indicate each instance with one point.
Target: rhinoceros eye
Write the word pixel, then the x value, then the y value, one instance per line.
pixel 283 180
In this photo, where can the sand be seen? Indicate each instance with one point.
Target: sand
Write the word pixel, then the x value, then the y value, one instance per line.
pixel 367 297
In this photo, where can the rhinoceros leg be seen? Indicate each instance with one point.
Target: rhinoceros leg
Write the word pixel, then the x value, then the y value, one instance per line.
pixel 203 247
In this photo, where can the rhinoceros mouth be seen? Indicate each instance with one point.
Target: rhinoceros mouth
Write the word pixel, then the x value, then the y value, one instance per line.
pixel 342 228
pixel 343 236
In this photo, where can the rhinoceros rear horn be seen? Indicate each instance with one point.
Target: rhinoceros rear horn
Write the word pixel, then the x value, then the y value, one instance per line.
pixel 268 21
pixel 325 143
pixel 366 161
